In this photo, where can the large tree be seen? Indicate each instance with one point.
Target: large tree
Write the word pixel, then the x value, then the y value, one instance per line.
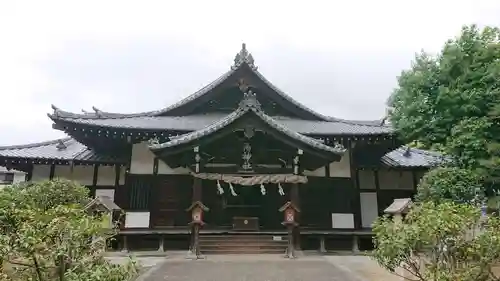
pixel 447 101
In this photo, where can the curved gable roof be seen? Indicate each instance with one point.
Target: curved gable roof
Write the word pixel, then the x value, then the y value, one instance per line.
pixel 242 59
pixel 248 105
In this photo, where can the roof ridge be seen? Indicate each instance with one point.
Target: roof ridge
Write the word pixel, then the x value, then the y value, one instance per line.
pixel 154 113
pixel 243 58
pixel 422 151
pixel 249 103
pixel 366 123
pixel 270 121
pixel 36 144
pixel 231 117
pixel 287 97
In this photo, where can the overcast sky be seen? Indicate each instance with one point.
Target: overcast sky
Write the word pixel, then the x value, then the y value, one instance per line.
pixel 340 58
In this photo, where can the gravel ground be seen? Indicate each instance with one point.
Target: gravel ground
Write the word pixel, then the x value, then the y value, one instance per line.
pixel 363 267
pixel 175 267
pixel 250 268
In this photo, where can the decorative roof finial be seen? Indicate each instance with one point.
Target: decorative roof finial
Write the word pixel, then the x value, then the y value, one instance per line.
pixel 407 152
pixel 244 57
pixel 250 100
pixel 61 145
pixel 154 141
pixel 243 85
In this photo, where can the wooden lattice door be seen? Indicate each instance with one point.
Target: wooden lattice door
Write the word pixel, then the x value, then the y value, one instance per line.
pixel 170 202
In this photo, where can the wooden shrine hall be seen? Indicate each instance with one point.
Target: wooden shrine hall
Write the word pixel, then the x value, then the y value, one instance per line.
pixel 239 167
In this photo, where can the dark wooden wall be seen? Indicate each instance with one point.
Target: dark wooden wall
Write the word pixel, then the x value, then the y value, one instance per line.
pixel 166 197
pixel 321 197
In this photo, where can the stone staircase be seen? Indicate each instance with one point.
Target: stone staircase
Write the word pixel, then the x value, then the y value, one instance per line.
pixel 243 244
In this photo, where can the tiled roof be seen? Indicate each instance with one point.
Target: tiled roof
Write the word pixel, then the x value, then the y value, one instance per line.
pixel 413 157
pixel 243 58
pixel 66 149
pixel 198 122
pixel 153 119
pixel 105 201
pixel 48 150
pixel 242 110
pixel 5 170
pixel 98 114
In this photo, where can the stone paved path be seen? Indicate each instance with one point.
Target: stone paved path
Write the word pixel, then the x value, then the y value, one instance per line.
pixel 250 268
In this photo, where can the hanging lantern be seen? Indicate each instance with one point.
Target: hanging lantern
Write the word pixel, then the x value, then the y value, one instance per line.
pixel 262 189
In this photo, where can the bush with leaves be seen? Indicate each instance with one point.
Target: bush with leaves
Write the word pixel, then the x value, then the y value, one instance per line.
pixel 451 183
pixel 445 242
pixel 47 235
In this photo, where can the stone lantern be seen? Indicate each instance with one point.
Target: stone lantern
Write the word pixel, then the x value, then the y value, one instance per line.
pixel 290 211
pixel 398 209
pixel 110 212
pixel 196 209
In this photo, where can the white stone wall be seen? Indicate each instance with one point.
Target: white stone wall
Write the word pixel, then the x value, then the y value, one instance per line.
pixel 340 169
pixel 142 162
pixel 40 172
pixel 137 219
pixel 19 177
pixel 369 208
pixel 82 174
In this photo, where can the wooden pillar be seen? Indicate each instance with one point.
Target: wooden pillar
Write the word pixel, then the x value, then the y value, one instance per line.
pixel 295 199
pixel 355 180
pixel 29 174
pixel 52 171
pixel 117 175
pixel 125 244
pixel 161 242
pixel 355 244
pixel 197 191
pixel 377 190
pixel 197 197
pixel 95 174
pixel 322 247
pixel 415 180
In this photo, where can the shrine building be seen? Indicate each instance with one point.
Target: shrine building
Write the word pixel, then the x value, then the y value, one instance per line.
pixel 242 149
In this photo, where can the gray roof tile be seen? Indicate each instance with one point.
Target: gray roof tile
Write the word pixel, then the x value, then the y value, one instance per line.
pixel 97 114
pixel 148 120
pixel 79 152
pixel 399 206
pixel 413 157
pixel 198 122
pixel 186 138
pixel 66 149
pixel 105 201
pixel 216 126
pixel 7 170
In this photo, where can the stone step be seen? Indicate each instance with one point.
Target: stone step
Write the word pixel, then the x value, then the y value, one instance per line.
pixel 237 242
pixel 242 244
pixel 242 251
pixel 241 240
pixel 242 236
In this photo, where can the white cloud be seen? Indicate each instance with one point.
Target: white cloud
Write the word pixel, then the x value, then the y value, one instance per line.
pixel 345 42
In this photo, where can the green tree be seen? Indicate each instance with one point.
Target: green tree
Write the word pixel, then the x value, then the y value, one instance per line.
pixel 45 235
pixel 445 242
pixel 445 101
